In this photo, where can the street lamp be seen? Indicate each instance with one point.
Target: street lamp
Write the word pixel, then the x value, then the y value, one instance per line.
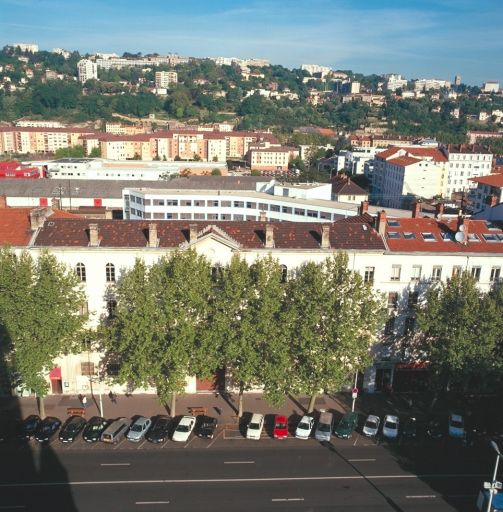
pixel 494 485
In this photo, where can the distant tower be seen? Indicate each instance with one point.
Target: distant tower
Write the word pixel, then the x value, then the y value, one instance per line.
pixel 457 80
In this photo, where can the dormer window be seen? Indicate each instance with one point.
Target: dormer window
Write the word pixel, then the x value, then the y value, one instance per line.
pixel 428 237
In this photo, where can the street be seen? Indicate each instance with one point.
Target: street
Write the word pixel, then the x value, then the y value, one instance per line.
pixel 229 473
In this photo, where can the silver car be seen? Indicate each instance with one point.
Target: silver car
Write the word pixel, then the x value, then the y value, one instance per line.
pixel 139 429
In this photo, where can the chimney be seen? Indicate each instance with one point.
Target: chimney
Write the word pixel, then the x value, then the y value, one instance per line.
pixel 55 203
pixel 3 201
pixel 364 207
pixel 109 214
pixel 325 236
pixel 466 225
pixel 192 232
pixel 460 220
pixel 153 241
pixel 439 210
pixel 262 217
pixel 269 236
pixel 94 240
pixel 36 219
pixel 416 209
pixel 381 222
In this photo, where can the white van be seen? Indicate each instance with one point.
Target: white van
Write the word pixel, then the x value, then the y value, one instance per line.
pixel 325 426
pixel 116 431
pixel 254 429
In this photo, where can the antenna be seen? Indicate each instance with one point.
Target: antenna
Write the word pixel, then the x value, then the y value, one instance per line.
pixel 459 236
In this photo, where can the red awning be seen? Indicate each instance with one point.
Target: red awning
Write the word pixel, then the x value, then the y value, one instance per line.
pixel 55 373
pixel 413 366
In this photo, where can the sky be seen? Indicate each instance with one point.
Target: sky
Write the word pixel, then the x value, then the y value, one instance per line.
pixel 416 38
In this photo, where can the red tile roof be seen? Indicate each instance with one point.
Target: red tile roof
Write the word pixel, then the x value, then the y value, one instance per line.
pixel 493 180
pixel 404 161
pixel 442 236
pixel 432 153
pixel 344 185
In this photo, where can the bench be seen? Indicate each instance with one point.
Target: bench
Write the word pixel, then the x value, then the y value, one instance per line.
pixel 75 411
pixel 196 411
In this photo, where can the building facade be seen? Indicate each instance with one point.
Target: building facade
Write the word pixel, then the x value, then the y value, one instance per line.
pixel 87 70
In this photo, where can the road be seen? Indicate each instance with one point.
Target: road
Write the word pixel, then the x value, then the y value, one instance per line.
pixel 231 473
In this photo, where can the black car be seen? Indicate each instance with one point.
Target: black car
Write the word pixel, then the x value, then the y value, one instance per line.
pixel 435 428
pixel 71 429
pixel 30 426
pixel 409 430
pixel 47 428
pixel 94 428
pixel 206 426
pixel 159 430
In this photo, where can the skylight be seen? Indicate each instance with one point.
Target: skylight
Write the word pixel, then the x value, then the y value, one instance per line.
pixel 409 236
pixel 428 237
pixel 490 237
pixel 447 237
pixel 393 235
pixel 393 223
pixel 473 238
pixel 491 225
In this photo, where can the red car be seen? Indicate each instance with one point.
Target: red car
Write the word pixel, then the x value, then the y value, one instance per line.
pixel 280 427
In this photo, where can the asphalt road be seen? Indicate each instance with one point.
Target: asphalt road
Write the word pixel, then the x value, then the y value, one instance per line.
pixel 231 473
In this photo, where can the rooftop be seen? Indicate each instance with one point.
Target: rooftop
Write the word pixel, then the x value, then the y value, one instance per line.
pixel 493 180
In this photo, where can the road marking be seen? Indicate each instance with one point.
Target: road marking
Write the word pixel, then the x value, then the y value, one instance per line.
pixel 152 502
pixel 421 496
pixel 214 439
pixel 141 444
pixel 244 480
pixel 287 499
pixel 361 460
pixel 356 440
pixel 189 441
pixel 239 462
pixel 233 436
pixel 119 443
pixel 116 464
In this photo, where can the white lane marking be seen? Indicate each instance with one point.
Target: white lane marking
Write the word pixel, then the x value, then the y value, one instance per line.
pixel 287 499
pixel 215 438
pixel 119 443
pixel 116 464
pixel 421 496
pixel 141 444
pixel 189 441
pixel 361 460
pixel 152 502
pixel 245 480
pixel 239 462
pixel 356 440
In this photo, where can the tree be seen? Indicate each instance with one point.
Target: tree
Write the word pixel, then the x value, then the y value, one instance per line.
pixel 333 317
pixel 216 172
pixel 95 153
pixel 51 299
pixel 70 152
pixel 459 341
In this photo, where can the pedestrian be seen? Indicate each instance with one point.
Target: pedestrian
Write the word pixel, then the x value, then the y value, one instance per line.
pixel 84 401
pixel 113 397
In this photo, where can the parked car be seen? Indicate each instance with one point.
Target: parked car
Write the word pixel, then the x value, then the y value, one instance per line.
pixel 139 429
pixel 116 430
pixel 434 428
pixel 206 426
pixel 456 426
pixel 409 430
pixel 280 430
pixel 47 428
pixel 184 428
pixel 347 425
pixel 325 425
pixel 305 427
pixel 371 425
pixel 159 430
pixel 30 426
pixel 390 426
pixel 94 428
pixel 254 429
pixel 71 429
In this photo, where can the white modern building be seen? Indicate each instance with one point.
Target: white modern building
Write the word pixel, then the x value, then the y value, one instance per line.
pixel 491 86
pixel 428 84
pixel 394 82
pixel 25 47
pixel 87 70
pixel 164 78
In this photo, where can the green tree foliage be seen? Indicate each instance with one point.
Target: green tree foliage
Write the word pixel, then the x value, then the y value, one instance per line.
pixel 50 298
pixel 458 339
pixel 333 320
pixel 72 152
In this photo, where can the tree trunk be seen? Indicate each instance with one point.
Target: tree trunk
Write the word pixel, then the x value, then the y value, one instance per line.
pixel 41 406
pixel 172 409
pixel 240 401
pixel 312 401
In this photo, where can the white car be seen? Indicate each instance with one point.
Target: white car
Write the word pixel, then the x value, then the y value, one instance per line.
pixel 138 429
pixel 304 428
pixel 184 428
pixel 371 427
pixel 456 426
pixel 390 426
pixel 255 426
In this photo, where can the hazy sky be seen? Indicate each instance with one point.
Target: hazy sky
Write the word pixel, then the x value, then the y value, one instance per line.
pixel 417 38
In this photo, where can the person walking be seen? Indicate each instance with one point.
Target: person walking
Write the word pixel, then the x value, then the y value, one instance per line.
pixel 84 401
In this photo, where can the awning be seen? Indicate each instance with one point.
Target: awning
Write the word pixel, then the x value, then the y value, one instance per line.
pixel 55 373
pixel 413 366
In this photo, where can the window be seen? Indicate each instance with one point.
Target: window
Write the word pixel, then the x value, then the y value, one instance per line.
pixel 395 272
pixel 171 202
pixel 110 272
pixel 476 273
pixel 111 307
pixel 436 273
pixel 312 213
pixel 490 237
pixel 238 217
pixel 299 211
pixel 87 368
pixel 368 277
pixel 226 204
pixel 251 205
pixel 495 274
pixel 412 299
pixel 389 327
pixel 274 207
pixel 199 202
pixel 239 204
pixel 216 271
pixel 263 206
pixel 393 235
pixel 185 202
pixel 428 237
pixel 393 223
pixel 158 202
pixel 286 209
pixel 447 237
pixel 113 369
pixel 284 273
pixel 409 236
pixel 410 322
pixel 416 273
pixel 392 300
pixel 456 270
pixel 80 269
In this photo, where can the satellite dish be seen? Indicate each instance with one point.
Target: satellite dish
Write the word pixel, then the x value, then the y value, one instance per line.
pixel 459 236
pixel 462 227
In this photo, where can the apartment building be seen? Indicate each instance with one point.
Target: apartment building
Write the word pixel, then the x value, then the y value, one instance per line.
pixel 486 200
pixel 164 78
pixel 25 47
pixel 491 86
pixel 87 70
pixel 394 82
pixel 266 157
pixel 428 84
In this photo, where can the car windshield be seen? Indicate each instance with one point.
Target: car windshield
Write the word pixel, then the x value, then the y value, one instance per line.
pixel 31 423
pixel 304 426
pixel 254 426
pixel 182 428
pixel 160 425
pixel 281 425
pixel 457 423
pixel 324 427
pixel 97 426
pixel 371 424
pixel 137 428
pixel 390 424
pixel 72 427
